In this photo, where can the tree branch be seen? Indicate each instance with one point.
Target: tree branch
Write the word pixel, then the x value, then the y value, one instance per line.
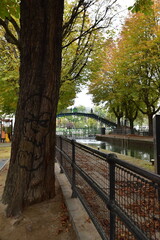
pixel 9 35
pixel 77 10
pixel 15 25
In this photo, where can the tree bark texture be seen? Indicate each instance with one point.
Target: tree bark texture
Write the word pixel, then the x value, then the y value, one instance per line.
pixel 30 177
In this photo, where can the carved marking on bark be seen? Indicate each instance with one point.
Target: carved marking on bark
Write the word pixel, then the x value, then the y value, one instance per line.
pixel 37 121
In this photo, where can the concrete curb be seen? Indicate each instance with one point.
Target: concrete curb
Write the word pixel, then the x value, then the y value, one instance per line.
pixel 84 228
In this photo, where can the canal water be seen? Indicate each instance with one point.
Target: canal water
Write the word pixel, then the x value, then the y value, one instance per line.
pixel 144 153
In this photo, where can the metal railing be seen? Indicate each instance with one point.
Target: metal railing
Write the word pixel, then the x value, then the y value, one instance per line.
pixel 122 200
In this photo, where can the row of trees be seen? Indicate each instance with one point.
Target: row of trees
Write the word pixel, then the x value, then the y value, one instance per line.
pixel 128 79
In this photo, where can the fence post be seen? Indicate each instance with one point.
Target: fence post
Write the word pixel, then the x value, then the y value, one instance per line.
pixel 61 170
pixel 74 195
pixel 156 137
pixel 112 194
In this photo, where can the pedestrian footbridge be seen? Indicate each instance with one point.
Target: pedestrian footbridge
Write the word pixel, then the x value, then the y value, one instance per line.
pixel 89 115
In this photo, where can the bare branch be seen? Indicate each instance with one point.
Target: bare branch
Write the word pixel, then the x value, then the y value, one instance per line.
pixel 9 35
pixel 15 25
pixel 94 26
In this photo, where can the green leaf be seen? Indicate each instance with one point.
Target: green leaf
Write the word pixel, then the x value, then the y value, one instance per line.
pixel 9 8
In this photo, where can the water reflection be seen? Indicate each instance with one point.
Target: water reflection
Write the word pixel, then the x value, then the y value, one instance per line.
pixel 146 154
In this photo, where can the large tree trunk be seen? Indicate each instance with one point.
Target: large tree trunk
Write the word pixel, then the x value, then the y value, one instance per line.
pixel 30 177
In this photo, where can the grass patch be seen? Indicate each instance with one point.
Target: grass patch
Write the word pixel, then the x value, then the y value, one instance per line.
pixel 135 161
pixel 5 152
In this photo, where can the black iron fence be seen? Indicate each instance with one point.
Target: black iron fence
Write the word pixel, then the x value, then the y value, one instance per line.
pixel 122 200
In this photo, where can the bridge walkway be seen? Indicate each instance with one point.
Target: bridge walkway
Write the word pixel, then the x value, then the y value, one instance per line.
pixel 89 115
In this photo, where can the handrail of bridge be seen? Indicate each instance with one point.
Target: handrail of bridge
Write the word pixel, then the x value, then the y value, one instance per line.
pixel 122 200
pixel 89 115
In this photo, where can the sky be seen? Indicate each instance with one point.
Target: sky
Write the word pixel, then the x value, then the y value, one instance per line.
pixel 126 3
pixel 86 99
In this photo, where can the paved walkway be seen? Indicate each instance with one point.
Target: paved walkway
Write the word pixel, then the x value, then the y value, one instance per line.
pixel 3 162
pixel 5 144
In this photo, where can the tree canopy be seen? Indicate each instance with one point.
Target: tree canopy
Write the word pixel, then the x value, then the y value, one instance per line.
pixel 129 75
pixel 81 31
pixel 144 6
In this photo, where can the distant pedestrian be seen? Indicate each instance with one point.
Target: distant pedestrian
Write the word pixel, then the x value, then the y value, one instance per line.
pixel 3 136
